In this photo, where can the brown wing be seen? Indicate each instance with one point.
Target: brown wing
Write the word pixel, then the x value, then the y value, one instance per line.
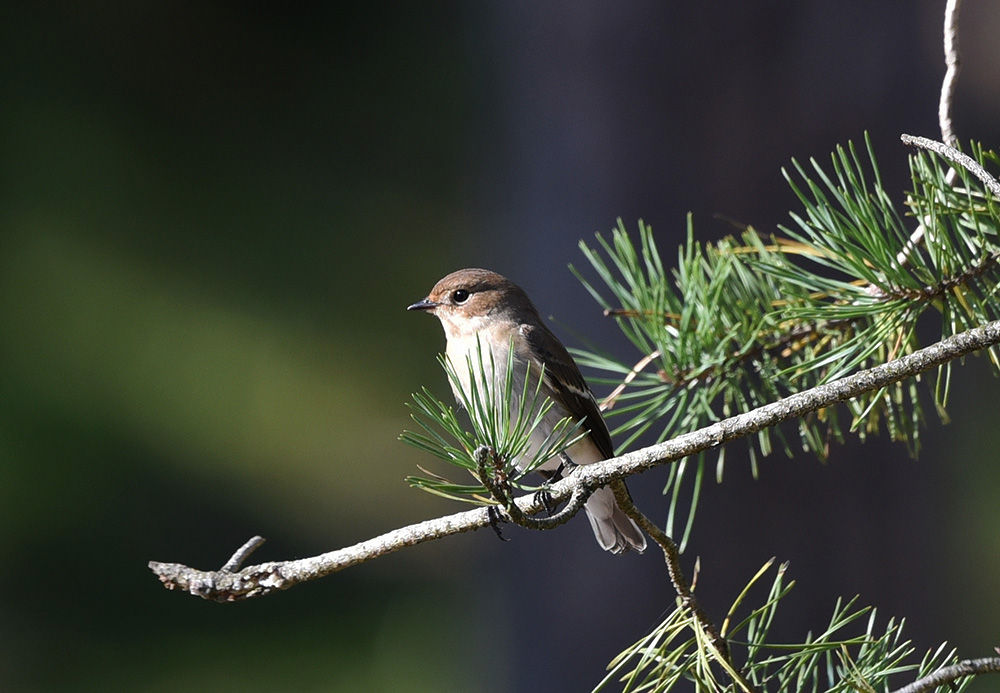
pixel 563 377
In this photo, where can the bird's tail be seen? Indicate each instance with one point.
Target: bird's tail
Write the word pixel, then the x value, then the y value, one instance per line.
pixel 615 531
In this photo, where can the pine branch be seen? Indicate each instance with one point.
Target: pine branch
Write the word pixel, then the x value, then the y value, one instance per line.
pixel 742 322
pixel 258 580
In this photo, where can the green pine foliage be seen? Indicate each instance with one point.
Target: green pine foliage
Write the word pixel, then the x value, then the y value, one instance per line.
pixel 747 320
pixel 852 653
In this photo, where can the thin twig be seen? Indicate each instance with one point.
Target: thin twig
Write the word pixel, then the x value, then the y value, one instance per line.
pixel 967 667
pixel 953 63
pixel 243 553
pixel 611 399
pixel 956 157
pixel 258 580
pixel 576 502
pixel 929 293
pixel 631 313
pixel 500 490
pixel 672 556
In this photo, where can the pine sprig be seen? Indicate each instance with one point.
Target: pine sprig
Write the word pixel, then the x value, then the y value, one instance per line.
pixel 693 328
pixel 503 420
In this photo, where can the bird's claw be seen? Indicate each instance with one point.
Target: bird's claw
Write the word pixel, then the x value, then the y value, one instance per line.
pixel 543 496
pixel 495 519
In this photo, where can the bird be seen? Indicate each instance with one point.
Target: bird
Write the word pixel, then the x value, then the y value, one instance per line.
pixel 479 308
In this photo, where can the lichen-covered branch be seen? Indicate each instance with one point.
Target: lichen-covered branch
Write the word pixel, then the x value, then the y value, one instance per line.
pixel 258 580
pixel 941 677
pixel 955 157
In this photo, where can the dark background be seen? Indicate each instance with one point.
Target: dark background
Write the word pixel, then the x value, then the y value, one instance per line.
pixel 213 215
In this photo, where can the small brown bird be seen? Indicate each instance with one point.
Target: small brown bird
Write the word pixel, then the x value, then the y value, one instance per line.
pixel 476 306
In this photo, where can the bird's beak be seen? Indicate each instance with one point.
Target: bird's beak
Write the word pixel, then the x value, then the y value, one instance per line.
pixel 423 304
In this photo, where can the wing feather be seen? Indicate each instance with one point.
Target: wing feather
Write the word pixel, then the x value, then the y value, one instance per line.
pixel 563 378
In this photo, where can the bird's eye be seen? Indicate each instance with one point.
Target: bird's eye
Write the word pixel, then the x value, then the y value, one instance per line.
pixel 460 296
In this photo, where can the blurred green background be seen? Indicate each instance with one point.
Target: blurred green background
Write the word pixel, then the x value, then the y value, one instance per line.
pixel 213 215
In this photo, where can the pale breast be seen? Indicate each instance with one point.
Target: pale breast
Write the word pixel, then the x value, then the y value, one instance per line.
pixel 469 354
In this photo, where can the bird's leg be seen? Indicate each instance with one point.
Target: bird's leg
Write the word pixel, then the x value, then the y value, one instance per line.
pixel 565 462
pixel 551 477
pixel 542 495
